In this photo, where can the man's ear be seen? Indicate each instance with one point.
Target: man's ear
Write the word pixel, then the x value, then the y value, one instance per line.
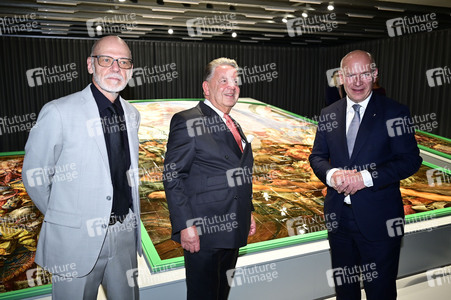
pixel 374 74
pixel 206 88
pixel 89 62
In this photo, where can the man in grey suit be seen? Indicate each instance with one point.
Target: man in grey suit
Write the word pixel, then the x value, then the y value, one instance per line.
pixel 77 159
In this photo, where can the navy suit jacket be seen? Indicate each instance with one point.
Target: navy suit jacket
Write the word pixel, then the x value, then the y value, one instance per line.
pixel 208 181
pixel 389 155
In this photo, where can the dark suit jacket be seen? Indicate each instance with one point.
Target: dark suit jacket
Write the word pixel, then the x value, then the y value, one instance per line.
pixel 207 179
pixel 388 159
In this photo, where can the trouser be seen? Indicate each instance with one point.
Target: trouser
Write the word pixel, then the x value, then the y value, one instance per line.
pixel 117 262
pixel 206 277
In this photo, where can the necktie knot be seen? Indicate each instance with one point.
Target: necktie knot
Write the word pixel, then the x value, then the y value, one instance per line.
pixel 356 108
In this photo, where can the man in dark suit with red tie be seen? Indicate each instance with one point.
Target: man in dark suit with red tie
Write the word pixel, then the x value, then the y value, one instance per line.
pixel 210 198
pixel 362 160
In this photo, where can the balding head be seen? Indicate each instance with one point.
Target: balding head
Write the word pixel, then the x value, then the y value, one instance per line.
pixel 109 41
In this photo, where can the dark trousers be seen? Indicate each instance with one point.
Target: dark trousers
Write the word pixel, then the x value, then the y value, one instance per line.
pixel 206 273
pixel 353 256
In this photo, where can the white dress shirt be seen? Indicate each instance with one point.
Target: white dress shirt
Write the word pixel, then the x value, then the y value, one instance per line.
pixel 367 180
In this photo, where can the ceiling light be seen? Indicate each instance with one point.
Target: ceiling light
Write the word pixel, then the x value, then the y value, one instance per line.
pixel 59 2
pixel 234 35
pixel 279 8
pixel 169 9
pixel 304 14
pixel 58 10
pixel 330 6
pixel 258 16
pixel 154 16
pixel 274 35
pixel 390 8
pixel 359 16
pixel 284 20
pixel 307 1
pixel 183 1
pixel 170 31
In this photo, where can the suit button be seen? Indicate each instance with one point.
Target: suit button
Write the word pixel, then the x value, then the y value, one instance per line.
pixel 108 198
pixel 236 197
pixel 104 226
pixel 226 157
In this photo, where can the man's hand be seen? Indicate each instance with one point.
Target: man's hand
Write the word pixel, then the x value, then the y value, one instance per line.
pixel 347 181
pixel 339 178
pixel 253 228
pixel 353 183
pixel 190 239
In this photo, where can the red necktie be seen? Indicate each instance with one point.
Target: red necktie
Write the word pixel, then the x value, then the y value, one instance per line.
pixel 234 131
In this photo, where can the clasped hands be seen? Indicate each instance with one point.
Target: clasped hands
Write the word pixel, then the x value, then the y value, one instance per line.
pixel 190 238
pixel 347 181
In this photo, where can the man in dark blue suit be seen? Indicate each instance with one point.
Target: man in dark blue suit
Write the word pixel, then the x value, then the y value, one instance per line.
pixel 361 159
pixel 212 188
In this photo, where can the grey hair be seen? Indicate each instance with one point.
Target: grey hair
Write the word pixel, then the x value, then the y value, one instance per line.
pixel 211 67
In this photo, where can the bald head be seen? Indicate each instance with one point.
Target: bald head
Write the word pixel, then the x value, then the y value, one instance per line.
pixel 358 54
pixel 108 42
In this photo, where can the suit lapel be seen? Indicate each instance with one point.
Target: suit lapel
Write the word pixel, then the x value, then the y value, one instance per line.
pixel 341 132
pixel 94 124
pixel 131 120
pixel 224 137
pixel 366 125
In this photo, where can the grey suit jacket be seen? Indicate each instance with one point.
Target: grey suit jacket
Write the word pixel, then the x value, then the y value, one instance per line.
pixel 67 175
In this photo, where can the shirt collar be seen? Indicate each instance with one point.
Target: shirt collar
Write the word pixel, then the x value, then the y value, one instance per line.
pixel 363 104
pixel 208 103
pixel 102 101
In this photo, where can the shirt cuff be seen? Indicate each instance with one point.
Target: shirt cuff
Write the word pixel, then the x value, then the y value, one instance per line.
pixel 367 179
pixel 329 175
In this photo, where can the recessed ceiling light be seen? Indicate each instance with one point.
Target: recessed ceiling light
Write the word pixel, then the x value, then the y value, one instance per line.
pixel 330 6
pixel 234 35
pixel 390 8
pixel 170 31
pixel 359 16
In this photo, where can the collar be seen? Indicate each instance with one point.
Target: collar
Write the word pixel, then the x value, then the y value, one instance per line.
pixel 363 104
pixel 102 101
pixel 209 104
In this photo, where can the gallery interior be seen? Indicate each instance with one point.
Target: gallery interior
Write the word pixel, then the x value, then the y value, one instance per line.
pixel 287 52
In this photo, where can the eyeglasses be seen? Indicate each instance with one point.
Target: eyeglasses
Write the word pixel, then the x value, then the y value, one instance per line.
pixel 368 76
pixel 108 61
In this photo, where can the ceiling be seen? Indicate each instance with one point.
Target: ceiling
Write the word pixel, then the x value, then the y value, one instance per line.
pixel 253 21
